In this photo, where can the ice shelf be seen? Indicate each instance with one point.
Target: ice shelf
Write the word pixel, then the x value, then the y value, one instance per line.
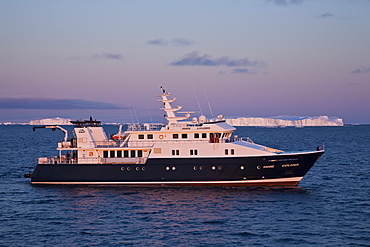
pixel 285 121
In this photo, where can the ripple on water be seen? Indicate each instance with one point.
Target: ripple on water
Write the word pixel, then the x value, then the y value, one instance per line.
pixel 329 208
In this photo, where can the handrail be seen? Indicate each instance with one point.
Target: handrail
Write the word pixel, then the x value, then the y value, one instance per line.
pixel 128 143
pixel 145 127
pixel 150 143
pixel 93 160
pixel 246 139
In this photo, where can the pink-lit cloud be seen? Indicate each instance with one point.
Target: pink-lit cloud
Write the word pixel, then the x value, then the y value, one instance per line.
pixel 109 56
pixel 326 15
pixel 244 71
pixel 57 104
pixel 361 70
pixel 196 59
pixel 160 42
pixel 285 2
pixel 181 42
pixel 174 42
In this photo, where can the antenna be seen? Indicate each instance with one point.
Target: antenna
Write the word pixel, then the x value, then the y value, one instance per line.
pixel 151 119
pixel 132 118
pixel 209 105
pixel 196 97
pixel 137 119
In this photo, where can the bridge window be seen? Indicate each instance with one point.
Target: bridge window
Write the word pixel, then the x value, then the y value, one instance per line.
pixel 193 152
pixel 150 136
pixel 226 151
pixel 139 153
pixel 125 153
pixel 119 153
pixel 175 136
pixel 105 154
pixel 112 154
pixel 141 136
pixel 133 153
pixel 196 135
pixel 232 151
pixel 184 136
pixel 204 135
pixel 214 137
pixel 175 152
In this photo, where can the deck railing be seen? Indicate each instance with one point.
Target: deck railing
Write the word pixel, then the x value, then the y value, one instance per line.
pixel 145 127
pixel 95 160
pixel 150 143
pixel 246 139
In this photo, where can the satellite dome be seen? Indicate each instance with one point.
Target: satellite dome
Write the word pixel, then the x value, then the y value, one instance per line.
pixel 202 119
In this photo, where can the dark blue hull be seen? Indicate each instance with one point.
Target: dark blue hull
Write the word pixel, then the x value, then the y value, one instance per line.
pixel 281 169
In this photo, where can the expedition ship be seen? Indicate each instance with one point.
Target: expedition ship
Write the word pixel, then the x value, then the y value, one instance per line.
pixel 197 152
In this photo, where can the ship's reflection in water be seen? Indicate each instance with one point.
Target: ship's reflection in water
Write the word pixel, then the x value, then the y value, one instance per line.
pixel 159 213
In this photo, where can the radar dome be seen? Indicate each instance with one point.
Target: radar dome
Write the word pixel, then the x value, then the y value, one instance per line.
pixel 202 119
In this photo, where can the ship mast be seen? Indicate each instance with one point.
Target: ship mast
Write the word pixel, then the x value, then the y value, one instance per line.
pixel 170 112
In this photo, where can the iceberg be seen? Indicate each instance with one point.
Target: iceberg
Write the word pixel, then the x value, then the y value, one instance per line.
pixel 51 121
pixel 285 121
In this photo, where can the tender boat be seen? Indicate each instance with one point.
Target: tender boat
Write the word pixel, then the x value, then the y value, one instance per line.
pixel 197 152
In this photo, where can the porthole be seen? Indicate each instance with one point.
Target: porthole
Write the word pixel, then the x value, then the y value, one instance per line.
pixel 213 168
pixel 219 167
pixel 259 167
pixel 137 168
pixel 128 168
pixel 201 168
pixel 122 168
pixel 167 168
pixel 242 168
pixel 143 168
pixel 173 168
pixel 194 168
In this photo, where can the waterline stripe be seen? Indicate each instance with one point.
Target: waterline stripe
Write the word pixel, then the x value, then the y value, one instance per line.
pixel 246 182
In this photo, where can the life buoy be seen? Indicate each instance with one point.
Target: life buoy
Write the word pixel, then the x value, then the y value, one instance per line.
pixel 91 154
pixel 161 137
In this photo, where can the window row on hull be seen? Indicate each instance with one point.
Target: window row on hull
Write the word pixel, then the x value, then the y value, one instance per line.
pixel 122 153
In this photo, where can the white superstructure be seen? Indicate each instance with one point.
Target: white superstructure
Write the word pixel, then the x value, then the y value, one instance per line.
pixel 176 139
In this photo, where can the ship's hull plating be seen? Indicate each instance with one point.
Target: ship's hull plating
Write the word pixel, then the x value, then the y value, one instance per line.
pixel 282 169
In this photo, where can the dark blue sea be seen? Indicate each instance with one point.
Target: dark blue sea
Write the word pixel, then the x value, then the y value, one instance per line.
pixel 330 206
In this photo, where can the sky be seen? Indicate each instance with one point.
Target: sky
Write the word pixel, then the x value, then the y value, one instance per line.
pixel 108 59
